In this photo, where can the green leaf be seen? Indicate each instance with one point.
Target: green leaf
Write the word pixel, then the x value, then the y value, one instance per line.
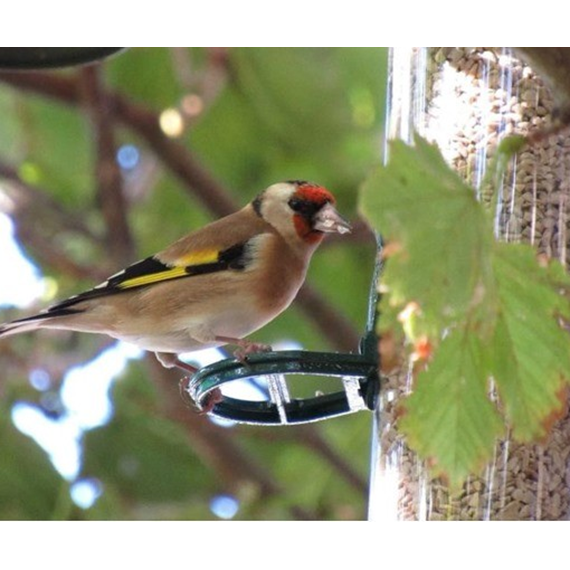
pixel 495 305
pixel 512 144
pixel 449 418
pixel 439 235
pixel 529 351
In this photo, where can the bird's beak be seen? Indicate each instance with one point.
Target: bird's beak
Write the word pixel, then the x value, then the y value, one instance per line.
pixel 328 220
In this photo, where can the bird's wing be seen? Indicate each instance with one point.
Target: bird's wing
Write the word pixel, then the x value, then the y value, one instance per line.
pixel 151 270
pixel 220 246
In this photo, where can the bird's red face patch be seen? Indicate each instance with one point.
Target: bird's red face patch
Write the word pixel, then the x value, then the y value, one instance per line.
pixel 307 200
pixel 315 194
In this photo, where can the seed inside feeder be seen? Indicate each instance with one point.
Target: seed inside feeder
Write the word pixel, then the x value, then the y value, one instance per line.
pixel 466 100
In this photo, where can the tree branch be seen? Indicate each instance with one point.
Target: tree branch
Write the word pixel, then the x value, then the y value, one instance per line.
pixel 107 173
pixel 311 437
pixel 176 157
pixel 214 78
pixel 183 68
pixel 332 325
pixel 314 440
pixel 202 84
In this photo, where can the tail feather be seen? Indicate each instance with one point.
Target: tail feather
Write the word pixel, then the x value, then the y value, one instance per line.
pixel 43 319
pixel 20 327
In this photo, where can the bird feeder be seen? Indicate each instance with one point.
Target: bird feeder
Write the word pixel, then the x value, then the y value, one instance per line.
pixel 466 100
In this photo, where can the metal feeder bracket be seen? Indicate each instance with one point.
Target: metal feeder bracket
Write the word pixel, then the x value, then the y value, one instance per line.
pixel 358 372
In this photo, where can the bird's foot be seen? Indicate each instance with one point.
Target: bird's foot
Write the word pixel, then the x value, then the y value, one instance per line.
pixel 208 403
pixel 185 392
pixel 245 347
pixel 251 348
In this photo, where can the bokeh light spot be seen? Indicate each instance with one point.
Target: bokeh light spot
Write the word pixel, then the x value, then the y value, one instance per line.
pixel 171 123
pixel 40 379
pixel 192 105
pixel 85 492
pixel 224 506
pixel 128 156
pixel 30 172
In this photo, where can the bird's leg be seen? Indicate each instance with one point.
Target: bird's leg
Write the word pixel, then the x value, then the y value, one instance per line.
pixel 169 360
pixel 245 347
pixel 186 367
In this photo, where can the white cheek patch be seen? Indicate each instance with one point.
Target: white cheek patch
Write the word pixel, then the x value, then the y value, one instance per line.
pixel 256 248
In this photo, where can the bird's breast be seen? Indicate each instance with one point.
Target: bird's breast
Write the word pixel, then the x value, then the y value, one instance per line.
pixel 279 273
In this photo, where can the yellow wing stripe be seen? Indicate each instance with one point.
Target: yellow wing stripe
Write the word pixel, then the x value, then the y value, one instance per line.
pixel 180 269
pixel 198 257
pixel 153 278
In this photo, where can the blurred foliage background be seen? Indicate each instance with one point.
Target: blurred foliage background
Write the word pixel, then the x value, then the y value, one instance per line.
pixel 200 131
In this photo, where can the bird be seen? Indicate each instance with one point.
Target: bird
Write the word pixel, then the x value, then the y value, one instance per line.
pixel 213 287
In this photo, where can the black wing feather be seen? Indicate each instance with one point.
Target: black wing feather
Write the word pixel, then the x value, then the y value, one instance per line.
pixel 233 258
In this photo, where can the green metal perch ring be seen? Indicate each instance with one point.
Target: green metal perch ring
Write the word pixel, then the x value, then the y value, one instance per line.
pixel 358 372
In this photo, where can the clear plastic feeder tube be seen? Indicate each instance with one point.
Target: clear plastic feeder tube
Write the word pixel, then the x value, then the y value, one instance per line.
pixel 466 100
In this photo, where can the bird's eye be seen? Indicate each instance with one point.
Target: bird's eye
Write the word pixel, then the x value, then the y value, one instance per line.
pixel 297 204
pixel 306 208
pixel 303 207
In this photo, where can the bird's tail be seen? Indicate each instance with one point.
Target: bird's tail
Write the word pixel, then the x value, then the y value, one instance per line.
pixel 52 318
pixel 24 325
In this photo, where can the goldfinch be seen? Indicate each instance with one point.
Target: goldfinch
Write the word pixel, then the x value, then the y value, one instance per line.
pixel 212 287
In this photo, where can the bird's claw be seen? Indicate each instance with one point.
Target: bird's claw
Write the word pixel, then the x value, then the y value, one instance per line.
pixel 209 402
pixel 247 348
pixel 185 393
pixel 206 405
